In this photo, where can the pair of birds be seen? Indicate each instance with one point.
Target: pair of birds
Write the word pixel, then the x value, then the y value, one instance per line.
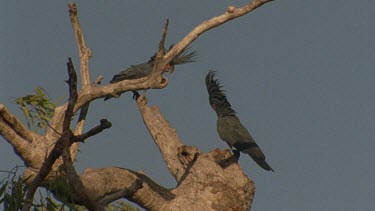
pixel 229 126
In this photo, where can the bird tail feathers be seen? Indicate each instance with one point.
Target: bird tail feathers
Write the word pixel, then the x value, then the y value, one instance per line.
pixel 262 163
pixel 253 150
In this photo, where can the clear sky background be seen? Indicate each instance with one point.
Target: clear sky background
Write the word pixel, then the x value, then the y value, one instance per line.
pixel 300 75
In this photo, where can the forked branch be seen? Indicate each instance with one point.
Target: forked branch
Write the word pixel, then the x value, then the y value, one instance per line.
pixel 231 13
pixel 13 122
pixel 62 148
pixel 153 82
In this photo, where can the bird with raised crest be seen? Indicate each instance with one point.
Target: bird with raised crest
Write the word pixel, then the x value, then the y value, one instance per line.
pixel 229 127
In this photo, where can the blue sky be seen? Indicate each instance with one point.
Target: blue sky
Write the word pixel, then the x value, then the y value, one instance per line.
pixel 300 75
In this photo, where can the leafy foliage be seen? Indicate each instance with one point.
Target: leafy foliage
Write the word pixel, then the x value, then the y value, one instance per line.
pixel 13 189
pixel 37 109
pixel 12 193
pixel 61 189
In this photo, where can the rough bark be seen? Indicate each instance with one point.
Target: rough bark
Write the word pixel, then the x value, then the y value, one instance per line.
pixel 212 181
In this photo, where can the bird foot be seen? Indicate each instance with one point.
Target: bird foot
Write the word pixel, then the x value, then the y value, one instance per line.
pixel 236 151
pixel 136 95
pixel 114 95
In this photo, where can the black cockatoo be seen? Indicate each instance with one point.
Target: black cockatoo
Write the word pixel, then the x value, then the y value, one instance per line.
pixel 229 126
pixel 145 69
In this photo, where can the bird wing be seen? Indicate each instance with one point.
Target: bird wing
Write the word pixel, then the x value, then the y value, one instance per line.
pixel 243 141
pixel 133 72
pixel 232 128
pixel 235 134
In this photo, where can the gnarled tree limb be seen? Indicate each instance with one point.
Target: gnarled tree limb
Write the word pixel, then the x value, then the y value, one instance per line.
pixel 14 123
pixel 164 136
pixel 62 148
pixel 105 185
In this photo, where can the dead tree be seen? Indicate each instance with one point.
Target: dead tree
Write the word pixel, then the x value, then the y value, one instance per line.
pixel 211 181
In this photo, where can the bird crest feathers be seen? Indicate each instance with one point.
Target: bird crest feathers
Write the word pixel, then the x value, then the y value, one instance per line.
pixel 218 99
pixel 182 58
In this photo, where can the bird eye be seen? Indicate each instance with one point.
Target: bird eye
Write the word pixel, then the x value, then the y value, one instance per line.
pixel 168 67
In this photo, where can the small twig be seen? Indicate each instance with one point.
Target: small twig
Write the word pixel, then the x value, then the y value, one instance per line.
pixel 98 81
pixel 53 129
pixel 12 171
pixel 164 36
pixel 9 172
pixel 159 64
pixel 104 124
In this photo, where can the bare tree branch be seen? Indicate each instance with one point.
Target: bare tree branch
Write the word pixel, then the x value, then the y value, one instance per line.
pixel 84 53
pixel 11 136
pixel 158 67
pixel 19 144
pixel 98 81
pixel 57 150
pixel 76 183
pixel 217 168
pixel 164 136
pixel 62 147
pixel 43 172
pixel 105 185
pixel 82 119
pixel 230 14
pixel 125 193
pixel 15 124
pixel 132 185
pixel 104 124
pixel 79 128
pixel 71 174
pixel 73 96
pixel 154 81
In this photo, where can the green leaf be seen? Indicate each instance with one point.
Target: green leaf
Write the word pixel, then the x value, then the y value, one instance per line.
pixel 51 204
pixel 25 111
pixel 2 189
pixel 37 108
